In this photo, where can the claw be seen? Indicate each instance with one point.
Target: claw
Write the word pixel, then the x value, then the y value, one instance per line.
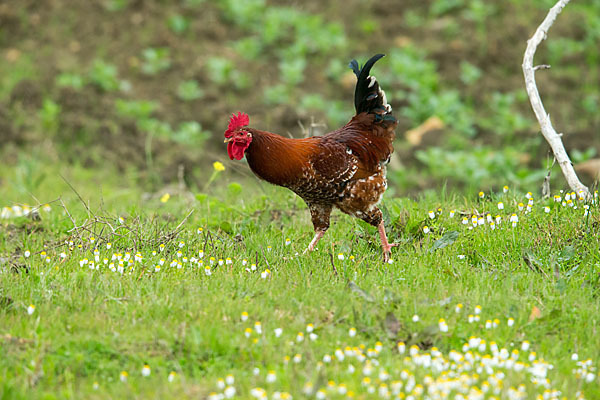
pixel 385 246
pixel 387 251
pixel 318 235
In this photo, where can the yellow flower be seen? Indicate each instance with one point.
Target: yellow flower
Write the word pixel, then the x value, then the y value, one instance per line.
pixel 218 166
pixel 165 197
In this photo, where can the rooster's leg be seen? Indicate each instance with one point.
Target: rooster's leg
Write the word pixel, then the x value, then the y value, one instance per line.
pixel 319 214
pixel 385 245
pixel 318 235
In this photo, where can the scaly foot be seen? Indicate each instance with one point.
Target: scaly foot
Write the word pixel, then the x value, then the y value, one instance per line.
pixel 385 245
pixel 387 251
pixel 313 243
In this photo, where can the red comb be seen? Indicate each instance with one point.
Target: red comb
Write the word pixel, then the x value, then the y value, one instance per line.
pixel 237 121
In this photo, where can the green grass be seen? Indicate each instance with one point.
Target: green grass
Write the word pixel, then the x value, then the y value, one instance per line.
pixel 90 325
pixel 126 113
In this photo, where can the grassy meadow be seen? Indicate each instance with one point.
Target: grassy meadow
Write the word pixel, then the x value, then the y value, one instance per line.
pixel 211 296
pixel 132 266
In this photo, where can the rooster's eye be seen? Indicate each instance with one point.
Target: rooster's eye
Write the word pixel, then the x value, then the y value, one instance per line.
pixel 249 134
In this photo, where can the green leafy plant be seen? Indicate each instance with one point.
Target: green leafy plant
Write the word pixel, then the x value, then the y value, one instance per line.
pixel 190 133
pixel 244 13
pixel 104 75
pixel 477 166
pixel 590 103
pixel 277 94
pixel 71 80
pixel 249 47
pixel 578 156
pixel 115 5
pixel 469 73
pixel 189 90
pixel 178 23
pixel 368 25
pixel 155 128
pixel 135 109
pixel 505 118
pixel 413 18
pixel 292 71
pixel 336 68
pixel 479 11
pixel 222 71
pixel 219 69
pixel 313 102
pixel 49 116
pixel 155 60
pixel 559 48
pixel 441 7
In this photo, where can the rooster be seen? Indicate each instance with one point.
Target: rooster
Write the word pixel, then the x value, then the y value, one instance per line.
pixel 345 168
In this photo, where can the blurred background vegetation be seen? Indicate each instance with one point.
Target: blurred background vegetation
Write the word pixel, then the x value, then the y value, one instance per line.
pixel 140 91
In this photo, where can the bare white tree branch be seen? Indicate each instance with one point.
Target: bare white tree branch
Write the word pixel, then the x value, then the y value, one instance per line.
pixel 542 116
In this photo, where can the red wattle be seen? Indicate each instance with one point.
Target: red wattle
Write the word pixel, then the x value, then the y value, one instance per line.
pixel 238 151
pixel 230 150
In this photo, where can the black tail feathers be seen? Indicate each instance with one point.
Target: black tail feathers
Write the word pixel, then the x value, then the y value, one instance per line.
pixel 368 96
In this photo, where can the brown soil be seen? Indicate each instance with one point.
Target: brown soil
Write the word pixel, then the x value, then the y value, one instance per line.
pixel 67 35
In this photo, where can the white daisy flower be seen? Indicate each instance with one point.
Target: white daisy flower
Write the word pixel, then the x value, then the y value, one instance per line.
pixel 271 377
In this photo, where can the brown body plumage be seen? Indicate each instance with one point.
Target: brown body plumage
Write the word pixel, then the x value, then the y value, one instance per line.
pixel 345 168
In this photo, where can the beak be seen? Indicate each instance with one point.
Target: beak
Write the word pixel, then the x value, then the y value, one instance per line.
pixel 227 140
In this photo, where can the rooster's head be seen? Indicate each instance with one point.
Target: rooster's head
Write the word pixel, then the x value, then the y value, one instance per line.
pixel 237 138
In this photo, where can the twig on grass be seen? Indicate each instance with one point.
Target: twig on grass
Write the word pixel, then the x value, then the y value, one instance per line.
pixel 207 237
pixel 166 238
pixel 265 257
pixel 177 230
pixel 62 203
pixel 533 265
pixel 78 195
pixel 333 264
